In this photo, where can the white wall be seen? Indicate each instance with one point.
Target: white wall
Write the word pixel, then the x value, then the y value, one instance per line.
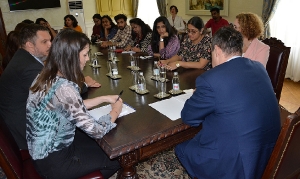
pixel 55 16
pixel 234 7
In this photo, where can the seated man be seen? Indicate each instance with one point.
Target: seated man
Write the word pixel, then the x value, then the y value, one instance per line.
pixel 216 22
pixel 123 36
pixel 26 64
pixel 239 113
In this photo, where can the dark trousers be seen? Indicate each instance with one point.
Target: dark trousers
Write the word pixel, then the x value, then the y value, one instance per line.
pixel 82 157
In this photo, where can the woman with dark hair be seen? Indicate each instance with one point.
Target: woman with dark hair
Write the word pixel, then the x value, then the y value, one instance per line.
pixel 109 28
pixel 142 36
pixel 174 20
pixel 195 50
pixel 97 28
pixel 55 110
pixel 164 42
pixel 12 45
pixel 43 22
pixel 71 22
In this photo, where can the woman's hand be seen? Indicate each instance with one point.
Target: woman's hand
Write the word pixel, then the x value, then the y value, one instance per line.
pixel 166 34
pixel 172 65
pixel 116 109
pixel 127 48
pixel 163 62
pixel 91 83
pixel 136 49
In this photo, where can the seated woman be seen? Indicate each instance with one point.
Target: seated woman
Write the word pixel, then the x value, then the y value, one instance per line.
pixel 43 22
pixel 97 28
pixel 142 36
pixel 251 27
pixel 71 22
pixel 55 110
pixel 12 45
pixel 164 42
pixel 109 28
pixel 195 50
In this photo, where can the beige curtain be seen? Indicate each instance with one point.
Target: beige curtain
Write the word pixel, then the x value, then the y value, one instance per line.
pixel 135 5
pixel 269 8
pixel 97 6
pixel 161 4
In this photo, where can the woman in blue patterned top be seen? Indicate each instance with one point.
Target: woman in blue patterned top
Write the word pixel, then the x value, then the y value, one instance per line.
pixel 55 109
pixel 109 28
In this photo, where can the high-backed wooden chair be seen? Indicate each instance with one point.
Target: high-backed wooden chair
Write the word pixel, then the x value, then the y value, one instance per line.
pixel 18 165
pixel 285 158
pixel 277 63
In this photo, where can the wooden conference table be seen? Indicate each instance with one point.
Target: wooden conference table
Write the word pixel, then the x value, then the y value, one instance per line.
pixel 145 132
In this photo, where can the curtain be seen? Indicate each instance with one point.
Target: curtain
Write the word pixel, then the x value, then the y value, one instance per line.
pixel 284 27
pixel 161 4
pixel 98 7
pixel 269 8
pixel 135 5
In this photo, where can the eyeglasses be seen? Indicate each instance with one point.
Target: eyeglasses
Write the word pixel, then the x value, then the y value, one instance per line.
pixel 191 31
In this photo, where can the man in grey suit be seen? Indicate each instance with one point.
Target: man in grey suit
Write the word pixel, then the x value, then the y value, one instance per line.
pixel 18 76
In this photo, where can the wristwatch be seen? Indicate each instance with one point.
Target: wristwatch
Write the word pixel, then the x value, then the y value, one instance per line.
pixel 161 40
pixel 177 65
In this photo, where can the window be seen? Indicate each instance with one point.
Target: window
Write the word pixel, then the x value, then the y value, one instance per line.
pixel 284 26
pixel 148 11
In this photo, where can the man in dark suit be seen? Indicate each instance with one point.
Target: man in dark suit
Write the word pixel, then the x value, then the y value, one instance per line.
pixel 16 79
pixel 18 76
pixel 236 105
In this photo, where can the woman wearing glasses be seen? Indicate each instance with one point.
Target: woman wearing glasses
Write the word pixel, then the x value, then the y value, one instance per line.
pixel 195 51
pixel 164 42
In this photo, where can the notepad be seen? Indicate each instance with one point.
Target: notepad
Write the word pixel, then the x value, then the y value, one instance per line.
pixel 128 52
pixel 171 107
pixel 103 110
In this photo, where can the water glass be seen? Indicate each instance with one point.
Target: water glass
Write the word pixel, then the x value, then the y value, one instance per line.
pixel 134 63
pixel 109 68
pixel 135 76
pixel 114 69
pixel 162 72
pixel 162 87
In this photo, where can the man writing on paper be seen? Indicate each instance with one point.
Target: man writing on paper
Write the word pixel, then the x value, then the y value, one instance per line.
pixel 236 105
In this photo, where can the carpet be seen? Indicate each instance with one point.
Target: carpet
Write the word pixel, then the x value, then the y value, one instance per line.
pixel 160 166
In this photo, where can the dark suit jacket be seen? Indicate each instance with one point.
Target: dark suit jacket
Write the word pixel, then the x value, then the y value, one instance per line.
pixel 14 88
pixel 237 107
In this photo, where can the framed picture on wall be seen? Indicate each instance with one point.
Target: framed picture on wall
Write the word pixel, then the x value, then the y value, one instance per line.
pixel 203 7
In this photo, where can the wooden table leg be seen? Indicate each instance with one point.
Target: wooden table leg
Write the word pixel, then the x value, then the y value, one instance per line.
pixel 128 162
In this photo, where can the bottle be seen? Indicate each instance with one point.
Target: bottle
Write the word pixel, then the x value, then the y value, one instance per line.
pixel 175 82
pixel 141 83
pixel 155 71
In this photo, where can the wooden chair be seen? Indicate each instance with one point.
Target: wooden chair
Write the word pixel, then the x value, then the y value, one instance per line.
pixel 17 164
pixel 277 63
pixel 285 158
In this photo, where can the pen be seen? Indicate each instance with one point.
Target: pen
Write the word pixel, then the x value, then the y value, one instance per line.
pixel 119 96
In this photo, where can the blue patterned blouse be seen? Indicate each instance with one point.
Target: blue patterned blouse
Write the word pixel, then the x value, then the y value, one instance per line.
pixel 52 118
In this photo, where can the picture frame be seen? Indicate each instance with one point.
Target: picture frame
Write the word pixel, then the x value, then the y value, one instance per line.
pixel 202 7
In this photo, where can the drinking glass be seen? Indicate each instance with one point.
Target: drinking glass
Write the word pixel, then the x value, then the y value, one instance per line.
pixel 162 87
pixel 162 72
pixel 109 68
pixel 114 69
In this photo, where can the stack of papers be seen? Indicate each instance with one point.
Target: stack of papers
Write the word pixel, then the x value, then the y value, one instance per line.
pixel 172 107
pixel 103 110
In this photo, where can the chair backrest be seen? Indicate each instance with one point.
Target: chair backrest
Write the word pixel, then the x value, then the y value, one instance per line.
pixel 277 63
pixel 10 156
pixel 285 158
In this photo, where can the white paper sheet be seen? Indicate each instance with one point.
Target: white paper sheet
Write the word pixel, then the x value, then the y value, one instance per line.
pixel 171 107
pixel 103 110
pixel 128 51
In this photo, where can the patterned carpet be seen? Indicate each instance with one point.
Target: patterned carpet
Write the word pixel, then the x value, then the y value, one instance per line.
pixel 160 166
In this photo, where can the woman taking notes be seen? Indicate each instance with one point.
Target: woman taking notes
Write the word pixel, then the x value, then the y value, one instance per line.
pixel 55 109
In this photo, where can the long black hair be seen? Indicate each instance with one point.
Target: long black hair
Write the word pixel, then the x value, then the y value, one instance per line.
pixel 144 27
pixel 70 16
pixel 156 37
pixel 64 58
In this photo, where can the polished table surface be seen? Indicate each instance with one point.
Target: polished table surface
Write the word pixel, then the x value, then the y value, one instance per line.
pixel 146 131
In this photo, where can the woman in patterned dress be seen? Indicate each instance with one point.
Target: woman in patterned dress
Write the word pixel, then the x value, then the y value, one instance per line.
pixel 195 50
pixel 141 37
